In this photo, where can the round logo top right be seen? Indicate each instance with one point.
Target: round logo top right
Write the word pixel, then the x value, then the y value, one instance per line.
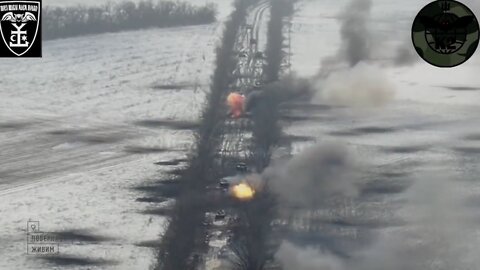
pixel 445 33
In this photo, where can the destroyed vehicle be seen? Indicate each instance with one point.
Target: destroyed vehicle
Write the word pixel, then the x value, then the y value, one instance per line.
pixel 241 167
pixel 220 215
pixel 224 183
pixel 227 181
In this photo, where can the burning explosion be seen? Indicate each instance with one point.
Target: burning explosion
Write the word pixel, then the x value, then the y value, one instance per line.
pixel 236 103
pixel 243 191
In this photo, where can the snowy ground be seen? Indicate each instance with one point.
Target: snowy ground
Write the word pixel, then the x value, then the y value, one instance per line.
pixel 81 127
pixel 432 123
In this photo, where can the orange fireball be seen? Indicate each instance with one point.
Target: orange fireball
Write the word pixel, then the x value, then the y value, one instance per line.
pixel 243 191
pixel 236 102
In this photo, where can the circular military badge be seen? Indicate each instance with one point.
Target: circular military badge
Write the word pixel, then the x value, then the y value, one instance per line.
pixel 445 33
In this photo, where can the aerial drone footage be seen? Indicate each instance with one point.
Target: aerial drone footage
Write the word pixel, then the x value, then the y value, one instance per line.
pixel 239 134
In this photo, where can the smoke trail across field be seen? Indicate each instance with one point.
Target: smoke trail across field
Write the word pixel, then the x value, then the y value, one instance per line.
pixel 360 83
pixel 440 234
pixel 363 85
pixel 354 37
pixel 349 77
pixel 441 230
pixel 436 229
pixel 314 175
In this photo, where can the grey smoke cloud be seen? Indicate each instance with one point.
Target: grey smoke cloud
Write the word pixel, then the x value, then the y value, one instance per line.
pixel 359 83
pixel 316 174
pixel 355 36
pixel 405 54
pixel 441 233
pixel 364 85
pixel 360 44
pixel 355 32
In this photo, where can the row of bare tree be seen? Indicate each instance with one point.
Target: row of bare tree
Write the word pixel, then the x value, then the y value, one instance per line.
pixel 61 22
pixel 185 235
pixel 274 53
pixel 252 243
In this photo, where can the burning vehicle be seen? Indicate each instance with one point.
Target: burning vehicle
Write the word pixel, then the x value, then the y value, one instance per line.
pixel 236 104
pixel 240 187
pixel 243 191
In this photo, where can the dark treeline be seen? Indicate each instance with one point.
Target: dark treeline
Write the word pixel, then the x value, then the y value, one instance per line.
pixel 252 241
pixel 61 22
pixel 274 53
pixel 265 114
pixel 186 230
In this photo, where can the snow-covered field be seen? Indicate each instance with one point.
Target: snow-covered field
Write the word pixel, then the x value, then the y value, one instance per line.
pixel 429 127
pixel 82 127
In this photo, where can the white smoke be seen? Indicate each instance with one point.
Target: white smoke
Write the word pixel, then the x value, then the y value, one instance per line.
pixel 363 85
pixel 348 78
pixel 293 257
